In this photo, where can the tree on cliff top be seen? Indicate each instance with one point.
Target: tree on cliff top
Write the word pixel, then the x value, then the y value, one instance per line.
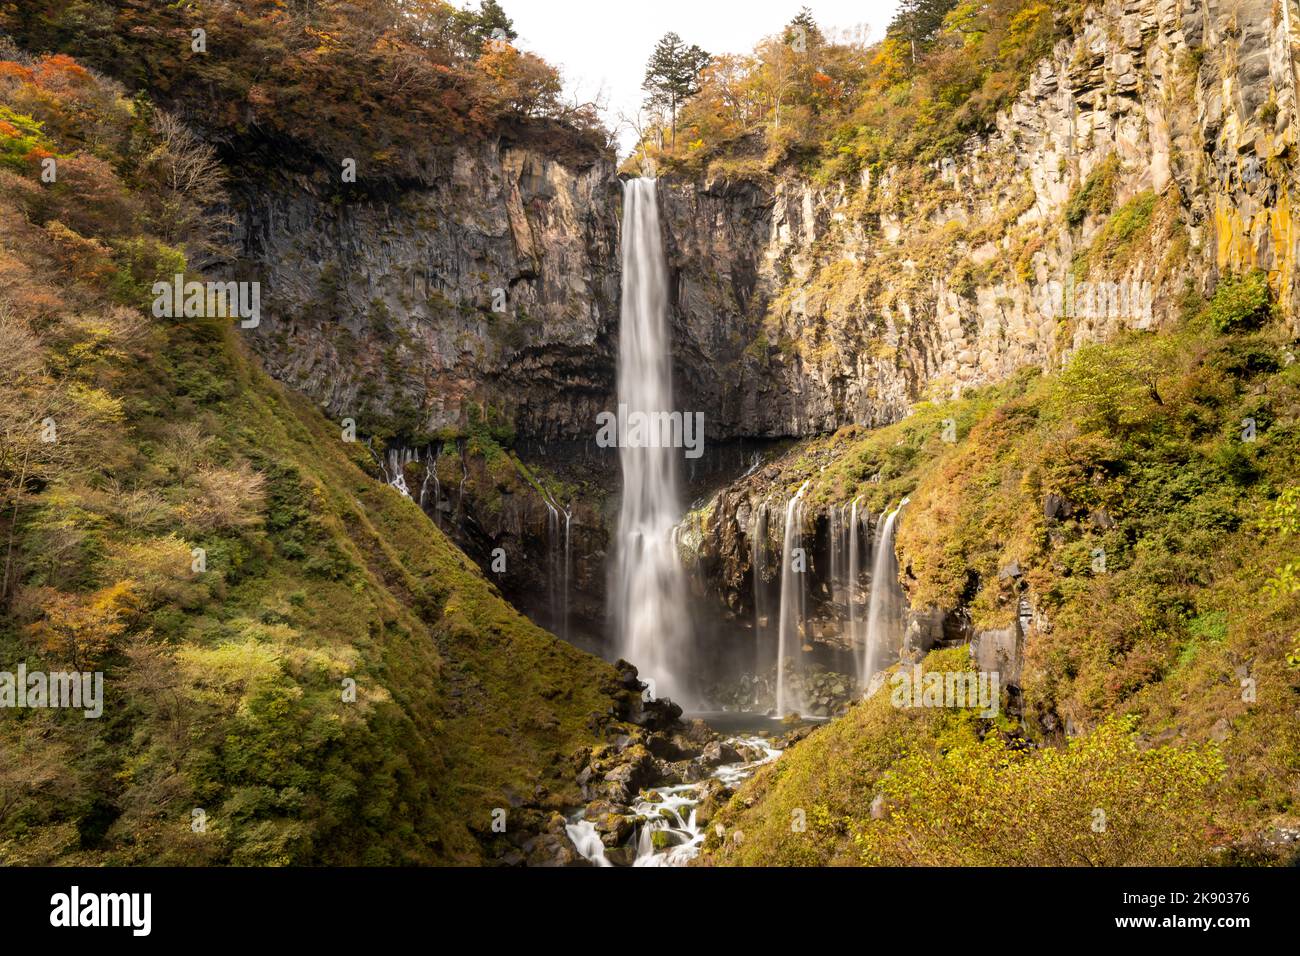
pixel 672 76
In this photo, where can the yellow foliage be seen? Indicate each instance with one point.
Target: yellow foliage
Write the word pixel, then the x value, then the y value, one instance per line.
pixel 82 629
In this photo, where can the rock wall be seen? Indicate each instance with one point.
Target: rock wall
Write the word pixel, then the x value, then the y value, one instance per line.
pixel 494 284
pixel 824 305
pixel 801 307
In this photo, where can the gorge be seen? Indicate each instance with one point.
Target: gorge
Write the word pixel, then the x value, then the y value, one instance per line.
pixel 991 325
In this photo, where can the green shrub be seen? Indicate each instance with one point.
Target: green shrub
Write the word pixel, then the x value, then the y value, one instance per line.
pixel 1241 302
pixel 1105 800
pixel 1097 194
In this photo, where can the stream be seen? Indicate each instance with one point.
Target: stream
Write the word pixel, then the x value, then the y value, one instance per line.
pixel 666 830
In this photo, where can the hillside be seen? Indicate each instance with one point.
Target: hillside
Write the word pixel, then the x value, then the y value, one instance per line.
pixel 212 544
pixel 1158 683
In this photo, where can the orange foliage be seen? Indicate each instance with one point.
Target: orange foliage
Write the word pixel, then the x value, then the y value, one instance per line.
pixel 61 72
pixel 83 628
pixel 14 71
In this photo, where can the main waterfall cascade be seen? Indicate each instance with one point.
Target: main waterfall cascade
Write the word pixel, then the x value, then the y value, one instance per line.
pixel 648 593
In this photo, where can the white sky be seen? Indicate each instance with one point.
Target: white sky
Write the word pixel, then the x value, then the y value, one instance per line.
pixel 606 43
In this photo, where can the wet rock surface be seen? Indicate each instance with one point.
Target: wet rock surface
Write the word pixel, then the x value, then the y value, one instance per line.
pixel 647 791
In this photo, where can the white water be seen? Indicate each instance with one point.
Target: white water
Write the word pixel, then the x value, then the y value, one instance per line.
pixel 648 597
pixel 839 552
pixel 885 610
pixel 758 560
pixel 675 811
pixel 855 573
pixel 568 572
pixel 394 465
pixel 586 841
pixel 790 635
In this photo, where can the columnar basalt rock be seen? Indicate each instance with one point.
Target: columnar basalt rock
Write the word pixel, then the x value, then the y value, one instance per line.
pixel 1149 153
pixel 824 305
pixel 495 285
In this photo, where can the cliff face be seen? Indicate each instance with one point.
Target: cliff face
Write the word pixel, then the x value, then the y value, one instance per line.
pixel 1151 149
pixel 798 306
pixel 495 284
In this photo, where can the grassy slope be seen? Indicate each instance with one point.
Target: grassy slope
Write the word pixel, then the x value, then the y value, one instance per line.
pixel 1164 636
pixel 224 689
pixel 410 619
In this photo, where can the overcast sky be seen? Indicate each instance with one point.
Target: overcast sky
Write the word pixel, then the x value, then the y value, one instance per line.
pixel 606 43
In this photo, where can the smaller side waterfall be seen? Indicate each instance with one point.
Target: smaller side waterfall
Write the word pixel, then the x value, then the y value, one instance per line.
pixel 394 465
pixel 429 475
pixel 559 563
pixel 790 635
pixel 568 572
pixel 839 552
pixel 854 590
pixel 437 485
pixel 885 609
pixel 758 562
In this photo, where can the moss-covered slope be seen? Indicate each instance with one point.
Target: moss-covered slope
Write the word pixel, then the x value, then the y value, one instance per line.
pixel 298 666
pixel 1142 505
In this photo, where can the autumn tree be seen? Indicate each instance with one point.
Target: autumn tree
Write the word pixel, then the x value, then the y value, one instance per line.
pixel 475 29
pixel 520 84
pixel 81 629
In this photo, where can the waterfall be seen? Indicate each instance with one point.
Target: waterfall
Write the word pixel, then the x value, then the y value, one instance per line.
pixel 552 554
pixel 437 485
pixel 855 572
pixel 758 561
pixel 838 550
pixel 648 596
pixel 568 571
pixel 885 610
pixel 460 492
pixel 790 635
pixel 587 842
pixel 429 462
pixel 394 465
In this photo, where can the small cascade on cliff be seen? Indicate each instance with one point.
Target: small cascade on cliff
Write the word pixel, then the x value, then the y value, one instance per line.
pixel 437 485
pixel 854 590
pixel 394 465
pixel 460 491
pixel 791 621
pixel 559 563
pixel 885 610
pixel 648 596
pixel 552 561
pixel 839 551
pixel 568 572
pixel 424 483
pixel 758 562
